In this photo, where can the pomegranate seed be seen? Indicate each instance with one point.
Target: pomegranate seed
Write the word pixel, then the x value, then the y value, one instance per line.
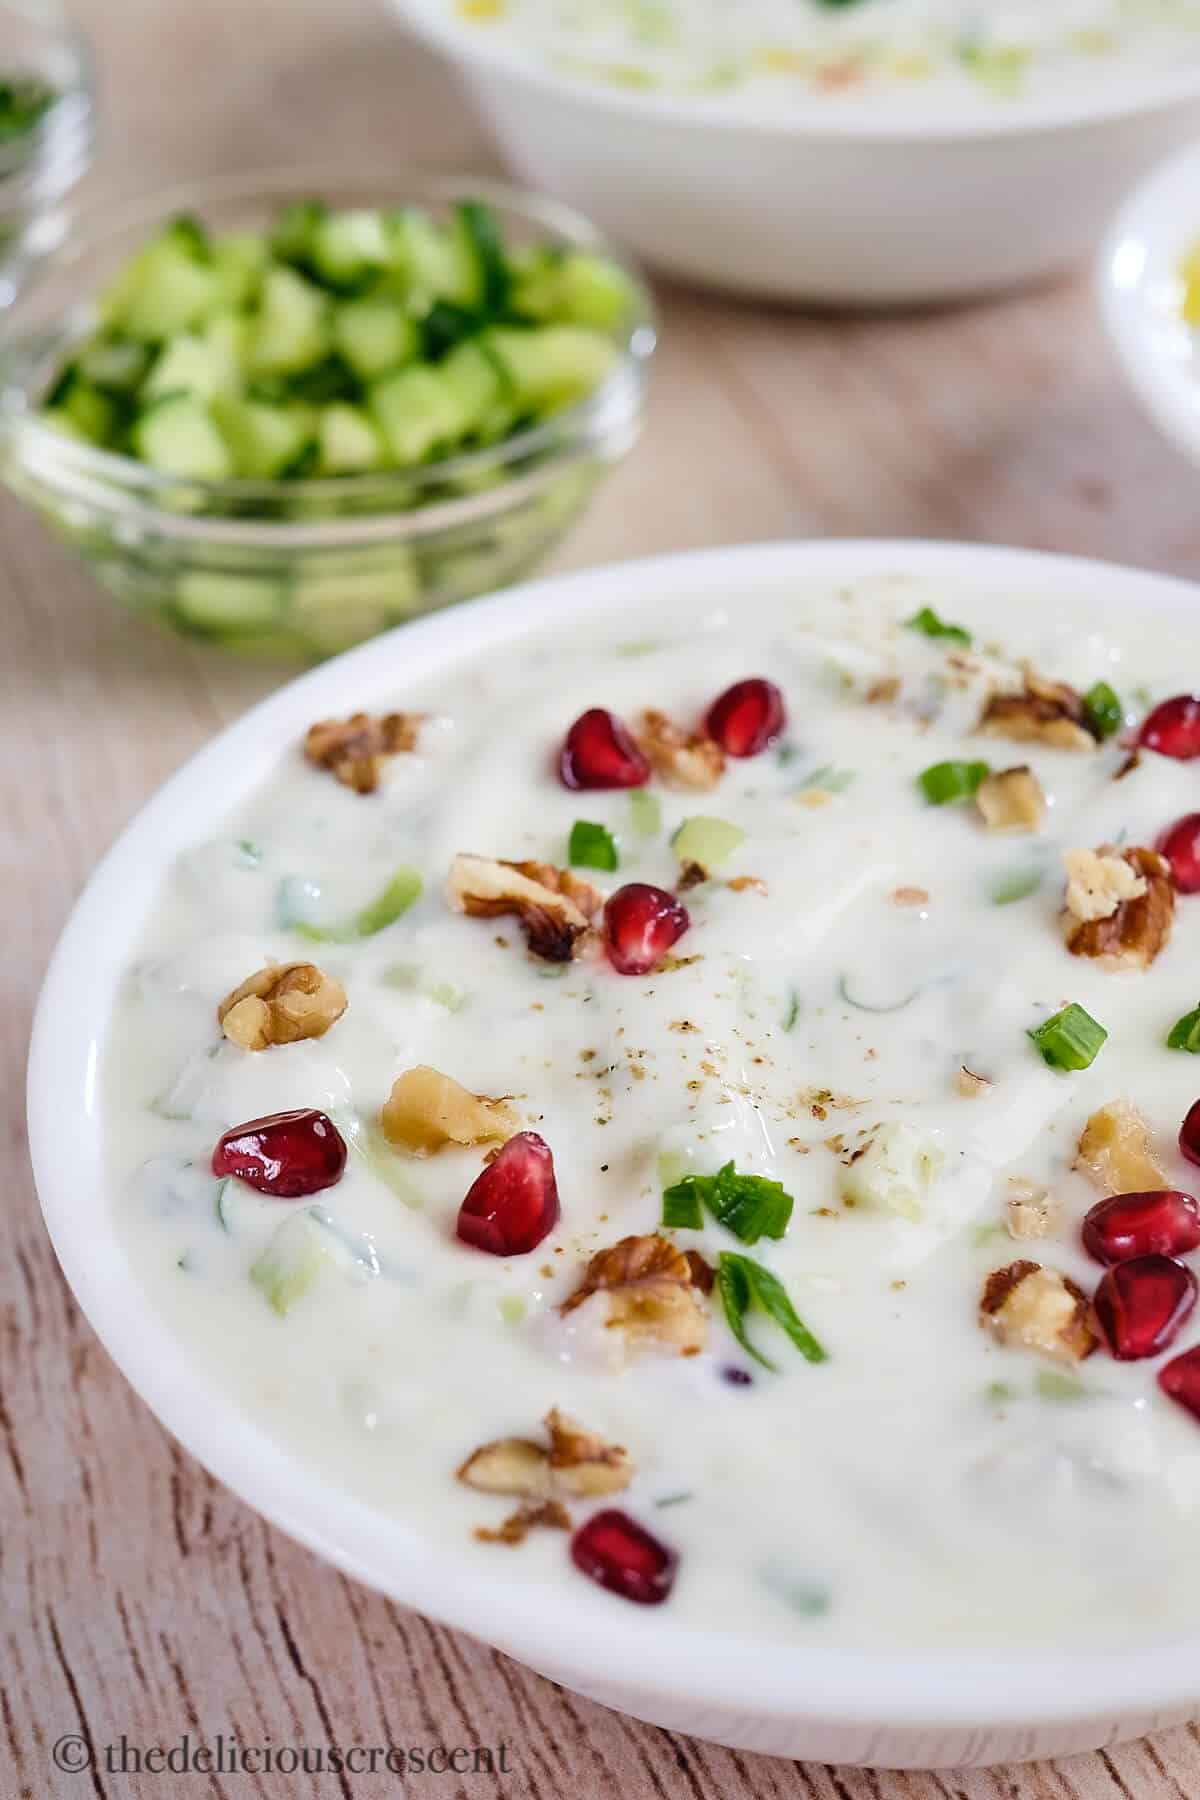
pixel 1173 729
pixel 747 717
pixel 623 1557
pixel 640 925
pixel 1189 1133
pixel 1180 1378
pixel 1142 1303
pixel 513 1204
pixel 1181 847
pixel 1165 1223
pixel 600 753
pixel 287 1154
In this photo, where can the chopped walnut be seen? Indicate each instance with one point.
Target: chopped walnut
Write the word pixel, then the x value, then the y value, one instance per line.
pixel 909 896
pixel 1011 800
pixel 576 1465
pixel 970 1085
pixel 1121 918
pixel 747 884
pixel 650 1287
pixel 1115 1151
pixel 354 749
pixel 281 1004
pixel 689 759
pixel 1030 1210
pixel 553 907
pixel 1039 1309
pixel 427 1110
pixel 1044 712
pixel 516 1528
pixel 883 691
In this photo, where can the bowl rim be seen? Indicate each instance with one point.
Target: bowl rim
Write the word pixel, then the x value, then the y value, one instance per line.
pixel 128 488
pixel 595 1641
pixel 1136 267
pixel 492 56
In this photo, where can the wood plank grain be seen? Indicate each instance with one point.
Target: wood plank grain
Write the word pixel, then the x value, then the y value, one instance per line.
pixel 141 1600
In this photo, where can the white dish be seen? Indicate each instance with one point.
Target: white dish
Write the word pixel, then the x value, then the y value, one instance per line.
pixel 838 1705
pixel 865 207
pixel 1139 288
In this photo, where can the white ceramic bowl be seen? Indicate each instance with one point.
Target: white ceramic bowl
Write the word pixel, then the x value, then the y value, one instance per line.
pixel 1139 288
pixel 918 1709
pixel 871 212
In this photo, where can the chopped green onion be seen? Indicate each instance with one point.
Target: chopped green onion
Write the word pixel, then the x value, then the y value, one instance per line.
pixel 946 781
pixel 1017 886
pixel 706 842
pixel 1185 1033
pixel 1102 711
pixel 1071 1039
pixel 645 812
pixel 742 1283
pixel 927 621
pixel 591 846
pixel 399 894
pixel 749 1206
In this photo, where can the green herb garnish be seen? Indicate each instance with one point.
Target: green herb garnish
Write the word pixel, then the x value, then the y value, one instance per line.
pixel 1102 711
pixel 1071 1039
pixel 749 1206
pixel 743 1283
pixel 944 782
pixel 706 842
pixel 591 846
pixel 927 621
pixel 793 1010
pixel 399 894
pixel 645 812
pixel 1017 886
pixel 1185 1033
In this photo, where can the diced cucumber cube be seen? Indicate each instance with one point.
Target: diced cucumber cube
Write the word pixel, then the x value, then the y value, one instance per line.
pixel 431 260
pixel 292 235
pixel 347 245
pixel 263 439
pixel 187 365
pixel 553 366
pixel 475 384
pixel 113 364
pixel 215 601
pixel 374 336
pixel 91 412
pixel 179 435
pixel 165 289
pixel 347 440
pixel 335 608
pixel 227 336
pixel 582 290
pixel 240 261
pixel 292 1262
pixel 291 331
pixel 416 412
pixel 486 278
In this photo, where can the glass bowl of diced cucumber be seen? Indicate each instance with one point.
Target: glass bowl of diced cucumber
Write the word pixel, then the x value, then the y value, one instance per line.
pixel 46 129
pixel 284 414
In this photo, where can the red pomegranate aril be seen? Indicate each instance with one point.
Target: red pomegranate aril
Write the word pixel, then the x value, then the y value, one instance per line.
pixel 1189 1133
pixel 1180 1379
pixel 1141 1304
pixel 641 923
pixel 747 717
pixel 285 1154
pixel 1161 1223
pixel 1181 847
pixel 622 1556
pixel 599 752
pixel 1173 729
pixel 513 1204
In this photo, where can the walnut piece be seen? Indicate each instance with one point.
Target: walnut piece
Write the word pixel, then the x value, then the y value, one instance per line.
pixel 651 1291
pixel 353 749
pixel 1115 1151
pixel 281 1004
pixel 1030 1210
pixel 576 1465
pixel 1039 1309
pixel 969 1084
pixel 1129 934
pixel 688 759
pixel 427 1110
pixel 527 1518
pixel 1011 800
pixel 1044 712
pixel 553 907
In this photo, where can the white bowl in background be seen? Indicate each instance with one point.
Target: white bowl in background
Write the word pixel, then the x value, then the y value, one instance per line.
pixel 1139 288
pixel 873 211
pixel 919 1709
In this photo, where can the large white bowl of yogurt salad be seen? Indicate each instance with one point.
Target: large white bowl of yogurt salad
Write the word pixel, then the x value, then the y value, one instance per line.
pixel 690 1276
pixel 871 151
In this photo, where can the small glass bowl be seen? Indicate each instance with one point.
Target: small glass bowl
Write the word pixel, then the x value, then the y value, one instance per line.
pixel 298 570
pixel 39 167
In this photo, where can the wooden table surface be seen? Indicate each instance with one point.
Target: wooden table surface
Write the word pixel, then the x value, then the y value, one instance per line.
pixel 139 1597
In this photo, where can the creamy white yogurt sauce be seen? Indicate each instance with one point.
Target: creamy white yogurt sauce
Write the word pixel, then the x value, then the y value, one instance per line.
pixel 924 1485
pixel 767 56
